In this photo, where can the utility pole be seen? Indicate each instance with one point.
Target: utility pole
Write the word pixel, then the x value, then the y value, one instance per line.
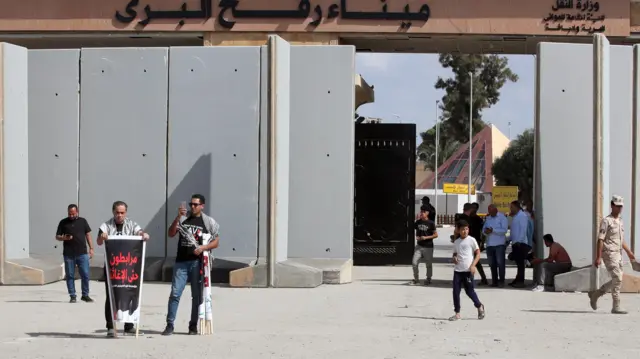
pixel 470 133
pixel 435 182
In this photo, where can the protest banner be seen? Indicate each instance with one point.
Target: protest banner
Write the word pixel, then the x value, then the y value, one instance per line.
pixel 124 261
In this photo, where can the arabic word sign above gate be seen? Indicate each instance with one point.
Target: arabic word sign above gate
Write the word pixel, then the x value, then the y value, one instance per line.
pixel 575 17
pixel 228 12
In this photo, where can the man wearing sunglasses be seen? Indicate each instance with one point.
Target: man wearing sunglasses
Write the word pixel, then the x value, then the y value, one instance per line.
pixel 187 267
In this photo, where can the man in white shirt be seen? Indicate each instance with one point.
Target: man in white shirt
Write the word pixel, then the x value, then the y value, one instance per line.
pixel 495 227
pixel 466 254
pixel 519 241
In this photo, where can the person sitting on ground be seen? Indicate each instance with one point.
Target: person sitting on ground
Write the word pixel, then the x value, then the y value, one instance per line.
pixel 558 262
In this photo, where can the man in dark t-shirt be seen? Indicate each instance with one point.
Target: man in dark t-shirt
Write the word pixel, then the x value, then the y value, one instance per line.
pixel 432 210
pixel 425 233
pixel 188 259
pixel 75 234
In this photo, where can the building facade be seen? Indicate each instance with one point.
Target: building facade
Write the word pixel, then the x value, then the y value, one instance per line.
pixel 496 26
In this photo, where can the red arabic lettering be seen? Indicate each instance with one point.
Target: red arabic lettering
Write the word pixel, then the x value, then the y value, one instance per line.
pixel 123 275
pixel 118 259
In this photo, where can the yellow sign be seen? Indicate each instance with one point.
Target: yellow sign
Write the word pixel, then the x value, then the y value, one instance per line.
pixel 502 196
pixel 457 188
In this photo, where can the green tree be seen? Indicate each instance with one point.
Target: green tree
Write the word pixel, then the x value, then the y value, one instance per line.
pixel 515 166
pixel 490 73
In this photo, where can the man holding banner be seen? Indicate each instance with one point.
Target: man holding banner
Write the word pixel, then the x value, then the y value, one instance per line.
pixel 195 228
pixel 124 265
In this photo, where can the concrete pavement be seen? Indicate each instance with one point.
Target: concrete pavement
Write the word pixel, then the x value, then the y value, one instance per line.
pixel 376 317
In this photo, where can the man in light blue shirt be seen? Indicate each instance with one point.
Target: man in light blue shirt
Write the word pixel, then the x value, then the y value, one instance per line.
pixel 495 227
pixel 519 241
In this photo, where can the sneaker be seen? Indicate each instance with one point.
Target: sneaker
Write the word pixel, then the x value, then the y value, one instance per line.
pixel 168 330
pixel 129 329
pixel 414 282
pixel 618 311
pixel 193 331
pixel 72 299
pixel 111 333
pixel 427 282
pixel 539 288
pixel 86 299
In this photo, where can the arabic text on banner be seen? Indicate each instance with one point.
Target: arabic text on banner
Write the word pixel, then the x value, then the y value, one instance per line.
pixel 125 263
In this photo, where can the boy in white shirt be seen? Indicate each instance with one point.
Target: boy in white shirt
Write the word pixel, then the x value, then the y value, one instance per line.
pixel 466 254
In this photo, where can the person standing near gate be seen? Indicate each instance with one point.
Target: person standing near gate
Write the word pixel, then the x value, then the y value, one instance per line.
pixel 425 234
pixel 520 247
pixel 119 225
pixel 188 264
pixel 495 227
pixel 75 234
pixel 609 251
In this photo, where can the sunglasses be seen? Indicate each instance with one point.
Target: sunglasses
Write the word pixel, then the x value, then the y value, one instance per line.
pixel 194 204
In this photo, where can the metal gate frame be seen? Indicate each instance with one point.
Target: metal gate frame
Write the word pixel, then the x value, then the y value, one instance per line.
pixel 384 194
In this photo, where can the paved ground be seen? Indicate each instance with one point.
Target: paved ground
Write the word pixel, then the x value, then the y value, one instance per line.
pixel 378 316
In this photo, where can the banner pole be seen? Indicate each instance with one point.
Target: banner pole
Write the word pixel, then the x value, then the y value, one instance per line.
pixel 109 288
pixel 144 255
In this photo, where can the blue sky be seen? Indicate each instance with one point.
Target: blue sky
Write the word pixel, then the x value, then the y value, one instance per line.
pixel 404 91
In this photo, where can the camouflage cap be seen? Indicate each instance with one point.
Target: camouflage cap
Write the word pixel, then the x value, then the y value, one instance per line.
pixel 617 200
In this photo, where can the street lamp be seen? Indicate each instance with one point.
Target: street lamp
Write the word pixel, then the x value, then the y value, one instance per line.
pixel 435 183
pixel 470 132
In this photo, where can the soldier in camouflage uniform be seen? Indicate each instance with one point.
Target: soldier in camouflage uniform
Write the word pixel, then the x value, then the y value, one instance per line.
pixel 610 246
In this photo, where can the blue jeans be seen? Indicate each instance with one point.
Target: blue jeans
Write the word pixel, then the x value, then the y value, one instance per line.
pixel 496 256
pixel 183 272
pixel 70 262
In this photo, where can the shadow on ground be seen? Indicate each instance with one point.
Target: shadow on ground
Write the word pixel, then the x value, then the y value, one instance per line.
pixel 438 283
pixel 555 311
pixel 98 334
pixel 427 318
pixel 37 301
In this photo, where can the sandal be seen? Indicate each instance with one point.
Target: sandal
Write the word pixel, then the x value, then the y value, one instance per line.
pixel 481 312
pixel 454 318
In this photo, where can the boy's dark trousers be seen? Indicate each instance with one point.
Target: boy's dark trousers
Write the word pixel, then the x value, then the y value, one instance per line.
pixel 464 280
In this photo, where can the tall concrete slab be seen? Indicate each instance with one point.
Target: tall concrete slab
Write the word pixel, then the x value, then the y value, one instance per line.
pixel 214 119
pixel 279 141
pixel 16 265
pixel 54 103
pixel 15 149
pixel 322 132
pixel 566 94
pixel 123 131
pixel 620 128
pixel 322 105
pixel 635 133
pixel 273 268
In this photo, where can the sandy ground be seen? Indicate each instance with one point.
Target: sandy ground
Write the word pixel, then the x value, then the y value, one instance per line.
pixel 378 316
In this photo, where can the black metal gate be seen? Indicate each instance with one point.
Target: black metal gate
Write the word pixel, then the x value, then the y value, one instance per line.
pixel 384 195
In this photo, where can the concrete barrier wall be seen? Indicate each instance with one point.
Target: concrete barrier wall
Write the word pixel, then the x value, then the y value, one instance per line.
pixel 152 126
pixel 15 151
pixel 123 137
pixel 564 129
pixel 54 104
pixel 214 118
pixel 322 147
